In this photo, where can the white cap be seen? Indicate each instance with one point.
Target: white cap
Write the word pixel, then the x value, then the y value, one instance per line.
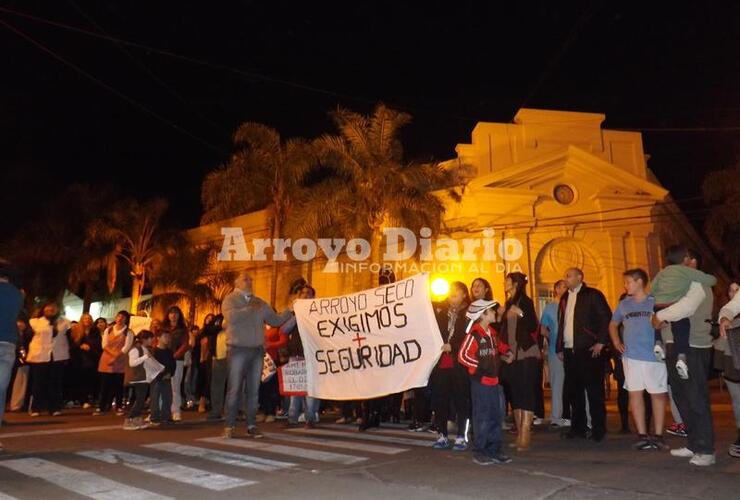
pixel 476 310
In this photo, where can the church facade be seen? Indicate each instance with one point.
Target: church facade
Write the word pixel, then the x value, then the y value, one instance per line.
pixel 551 190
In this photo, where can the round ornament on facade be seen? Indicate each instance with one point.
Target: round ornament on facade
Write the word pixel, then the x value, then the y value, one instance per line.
pixel 564 194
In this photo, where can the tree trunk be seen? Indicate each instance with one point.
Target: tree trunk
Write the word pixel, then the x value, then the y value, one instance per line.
pixel 276 229
pixel 137 286
pixel 87 297
pixel 192 311
pixel 375 258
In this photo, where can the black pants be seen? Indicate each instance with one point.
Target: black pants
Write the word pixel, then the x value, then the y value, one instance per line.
pixel 421 405
pixel 585 373
pixel 348 409
pixel 540 395
pixel 692 397
pixel 90 384
pixel 111 386
pixel 269 395
pixel 140 391
pixel 450 385
pixel 47 383
pixel 623 396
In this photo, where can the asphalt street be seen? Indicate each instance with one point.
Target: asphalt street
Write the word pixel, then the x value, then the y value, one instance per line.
pixel 80 456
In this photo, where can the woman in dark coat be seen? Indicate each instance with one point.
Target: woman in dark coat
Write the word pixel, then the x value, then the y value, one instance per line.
pixel 519 326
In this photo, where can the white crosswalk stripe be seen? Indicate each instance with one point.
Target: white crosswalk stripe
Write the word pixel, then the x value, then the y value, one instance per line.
pixel 77 481
pixel 223 457
pixel 168 470
pixel 365 436
pixel 291 451
pixel 335 443
pixel 385 430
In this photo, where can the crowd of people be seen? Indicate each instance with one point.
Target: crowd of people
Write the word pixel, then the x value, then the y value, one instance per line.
pixel 657 343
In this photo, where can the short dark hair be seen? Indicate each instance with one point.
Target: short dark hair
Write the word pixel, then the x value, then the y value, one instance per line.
pixel 675 254
pixel 693 254
pixel 557 284
pixel 463 288
pixel 126 315
pixel 143 335
pixel 637 274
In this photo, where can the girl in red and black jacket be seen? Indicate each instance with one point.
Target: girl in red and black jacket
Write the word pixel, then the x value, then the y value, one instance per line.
pixel 449 380
pixel 482 353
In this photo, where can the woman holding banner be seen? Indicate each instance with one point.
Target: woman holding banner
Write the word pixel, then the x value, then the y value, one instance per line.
pixel 309 405
pixel 449 380
pixel 519 328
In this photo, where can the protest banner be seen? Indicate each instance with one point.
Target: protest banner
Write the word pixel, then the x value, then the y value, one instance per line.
pixel 292 378
pixel 369 344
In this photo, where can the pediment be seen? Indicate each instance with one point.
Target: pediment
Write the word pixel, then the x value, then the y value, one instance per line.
pixel 570 163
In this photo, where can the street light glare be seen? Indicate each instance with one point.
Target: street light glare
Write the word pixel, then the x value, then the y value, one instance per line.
pixel 440 287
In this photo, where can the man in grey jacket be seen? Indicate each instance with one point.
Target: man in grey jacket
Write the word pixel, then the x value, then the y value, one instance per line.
pixel 244 317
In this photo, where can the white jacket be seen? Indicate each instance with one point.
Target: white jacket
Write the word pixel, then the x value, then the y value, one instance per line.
pixel 731 309
pixel 44 344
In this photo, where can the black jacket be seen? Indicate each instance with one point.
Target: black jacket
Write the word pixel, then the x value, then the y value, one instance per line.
pixel 590 319
pixel 461 322
pixel 167 359
pixel 527 327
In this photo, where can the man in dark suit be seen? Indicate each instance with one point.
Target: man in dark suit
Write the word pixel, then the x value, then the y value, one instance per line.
pixel 583 320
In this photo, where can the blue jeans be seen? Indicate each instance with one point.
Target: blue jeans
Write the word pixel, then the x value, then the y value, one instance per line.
pixel 244 364
pixel 7 360
pixel 487 416
pixel 309 405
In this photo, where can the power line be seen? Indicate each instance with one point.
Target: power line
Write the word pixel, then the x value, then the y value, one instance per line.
pixel 248 74
pixel 555 59
pixel 144 67
pixel 111 89
pixel 253 75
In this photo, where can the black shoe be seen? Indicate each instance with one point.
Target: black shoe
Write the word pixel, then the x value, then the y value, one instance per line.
pixel 597 437
pixel 573 434
pixel 481 459
pixel 501 459
pixel 643 443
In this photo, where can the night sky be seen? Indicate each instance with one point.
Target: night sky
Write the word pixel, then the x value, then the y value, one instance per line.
pixel 646 65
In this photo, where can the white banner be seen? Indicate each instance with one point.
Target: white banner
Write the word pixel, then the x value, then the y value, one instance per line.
pixel 369 344
pixel 292 377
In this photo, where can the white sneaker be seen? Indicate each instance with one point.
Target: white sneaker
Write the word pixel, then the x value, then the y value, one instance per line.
pixel 683 369
pixel 538 421
pixel 682 453
pixel 302 418
pixel 659 352
pixel 703 459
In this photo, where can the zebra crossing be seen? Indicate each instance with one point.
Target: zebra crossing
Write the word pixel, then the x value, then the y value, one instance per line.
pixel 200 464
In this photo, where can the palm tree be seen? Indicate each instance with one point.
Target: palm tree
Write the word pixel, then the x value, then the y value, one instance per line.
pixel 182 270
pixel 51 250
pixel 264 171
pixel 722 192
pixel 373 186
pixel 131 232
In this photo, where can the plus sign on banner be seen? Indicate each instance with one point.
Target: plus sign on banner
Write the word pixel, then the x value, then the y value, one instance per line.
pixel 368 344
